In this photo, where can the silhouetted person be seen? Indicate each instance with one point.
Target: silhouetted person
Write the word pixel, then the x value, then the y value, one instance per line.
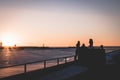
pixel 83 49
pixel 82 56
pixel 83 46
pixel 103 55
pixel 101 47
pixel 77 50
pixel 91 44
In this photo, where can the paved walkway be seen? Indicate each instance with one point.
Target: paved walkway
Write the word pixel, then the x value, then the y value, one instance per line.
pixel 64 73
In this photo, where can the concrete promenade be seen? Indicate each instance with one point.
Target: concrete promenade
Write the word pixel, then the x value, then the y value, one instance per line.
pixel 60 72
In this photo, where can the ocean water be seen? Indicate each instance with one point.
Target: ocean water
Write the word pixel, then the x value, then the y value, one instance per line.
pixel 12 57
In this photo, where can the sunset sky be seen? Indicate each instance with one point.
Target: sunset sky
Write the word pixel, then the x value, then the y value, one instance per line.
pixel 59 22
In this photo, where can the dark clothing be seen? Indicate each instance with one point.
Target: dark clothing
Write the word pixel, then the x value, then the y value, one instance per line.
pixel 77 53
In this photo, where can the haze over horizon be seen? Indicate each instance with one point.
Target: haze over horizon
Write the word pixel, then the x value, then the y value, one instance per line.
pixel 59 22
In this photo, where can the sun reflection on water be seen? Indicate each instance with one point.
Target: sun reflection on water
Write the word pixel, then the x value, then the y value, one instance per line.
pixel 6 51
pixel 6 55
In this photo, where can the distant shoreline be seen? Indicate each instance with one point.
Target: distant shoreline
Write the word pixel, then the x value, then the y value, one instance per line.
pixel 30 47
pixel 35 47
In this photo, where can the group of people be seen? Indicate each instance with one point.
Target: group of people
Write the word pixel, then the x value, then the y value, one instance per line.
pixel 89 55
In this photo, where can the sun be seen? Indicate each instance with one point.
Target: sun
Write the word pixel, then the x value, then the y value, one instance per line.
pixel 9 40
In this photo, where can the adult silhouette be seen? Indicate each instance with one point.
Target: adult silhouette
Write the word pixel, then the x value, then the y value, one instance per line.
pixel 83 54
pixel 90 44
pixel 77 50
pixel 103 55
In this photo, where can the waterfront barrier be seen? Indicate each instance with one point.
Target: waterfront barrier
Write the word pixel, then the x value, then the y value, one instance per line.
pixel 44 63
pixel 49 63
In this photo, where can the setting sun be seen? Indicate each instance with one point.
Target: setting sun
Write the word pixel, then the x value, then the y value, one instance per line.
pixel 9 40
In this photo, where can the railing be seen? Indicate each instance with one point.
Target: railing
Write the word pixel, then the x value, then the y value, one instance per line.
pixel 57 61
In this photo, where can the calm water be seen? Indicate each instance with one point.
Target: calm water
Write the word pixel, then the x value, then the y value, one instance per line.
pixel 11 57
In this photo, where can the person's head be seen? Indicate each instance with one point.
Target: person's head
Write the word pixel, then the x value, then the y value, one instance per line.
pixel 83 45
pixel 91 42
pixel 101 47
pixel 78 44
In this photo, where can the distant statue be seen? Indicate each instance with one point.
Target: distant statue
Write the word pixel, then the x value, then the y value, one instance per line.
pixel 77 50
pixel 91 44
pixel 15 46
pixel 0 44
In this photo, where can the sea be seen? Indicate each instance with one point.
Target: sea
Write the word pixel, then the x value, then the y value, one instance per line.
pixel 9 57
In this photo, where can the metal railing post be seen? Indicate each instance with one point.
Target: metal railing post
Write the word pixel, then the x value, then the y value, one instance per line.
pixel 65 59
pixel 75 58
pixel 58 61
pixel 25 68
pixel 44 64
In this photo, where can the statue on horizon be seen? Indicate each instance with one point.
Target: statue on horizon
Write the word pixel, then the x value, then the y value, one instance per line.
pixel 0 44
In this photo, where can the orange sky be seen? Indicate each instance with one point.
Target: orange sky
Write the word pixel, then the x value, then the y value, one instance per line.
pixel 59 23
